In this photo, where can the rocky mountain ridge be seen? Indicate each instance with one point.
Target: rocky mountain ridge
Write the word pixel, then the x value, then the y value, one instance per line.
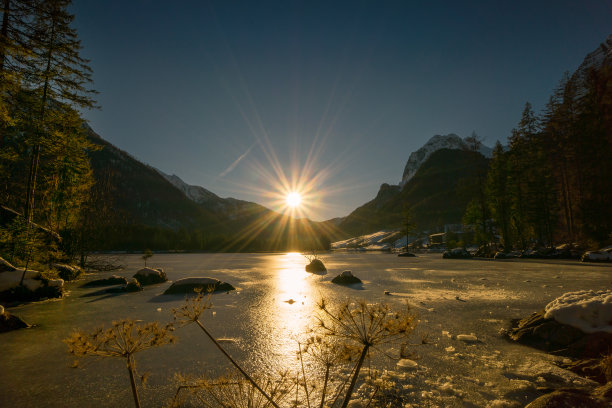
pixel 435 195
pixel 197 194
pixel 437 142
pixel 146 208
pixel 597 59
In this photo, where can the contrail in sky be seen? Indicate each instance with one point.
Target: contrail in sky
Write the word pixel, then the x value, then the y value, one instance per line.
pixel 238 160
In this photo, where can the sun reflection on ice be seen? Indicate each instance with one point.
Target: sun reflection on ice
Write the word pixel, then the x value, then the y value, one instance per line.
pixel 291 306
pixel 291 281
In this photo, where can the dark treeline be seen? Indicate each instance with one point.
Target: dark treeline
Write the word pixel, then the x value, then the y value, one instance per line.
pixel 553 183
pixel 130 237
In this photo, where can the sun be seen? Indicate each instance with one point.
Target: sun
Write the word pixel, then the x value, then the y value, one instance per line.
pixel 293 199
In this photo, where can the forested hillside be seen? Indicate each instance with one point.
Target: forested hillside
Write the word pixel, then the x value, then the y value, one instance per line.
pixel 553 184
pixel 436 195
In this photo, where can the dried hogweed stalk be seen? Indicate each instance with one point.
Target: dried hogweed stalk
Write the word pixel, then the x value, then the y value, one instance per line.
pixel 124 339
pixel 327 353
pixel 366 325
pixel 233 391
pixel 191 312
pixel 192 309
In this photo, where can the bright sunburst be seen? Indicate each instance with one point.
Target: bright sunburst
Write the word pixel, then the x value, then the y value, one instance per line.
pixel 293 199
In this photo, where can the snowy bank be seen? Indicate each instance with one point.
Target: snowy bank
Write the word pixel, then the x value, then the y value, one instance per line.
pixel 378 241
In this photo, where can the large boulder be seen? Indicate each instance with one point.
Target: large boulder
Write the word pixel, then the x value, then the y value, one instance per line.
pixel 190 285
pixel 5 266
pixel 346 278
pixel 316 266
pixel 150 276
pixel 34 287
pixel 590 368
pixel 566 398
pixel 549 335
pixel 406 254
pixel 604 392
pixel 10 322
pixel 68 272
pixel 32 280
pixel 131 286
pixel 111 280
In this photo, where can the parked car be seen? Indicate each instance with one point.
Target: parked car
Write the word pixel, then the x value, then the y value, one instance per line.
pixel 507 255
pixel 457 253
pixel 603 255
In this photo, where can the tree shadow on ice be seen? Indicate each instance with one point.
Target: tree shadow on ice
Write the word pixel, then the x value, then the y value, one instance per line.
pixel 130 287
pixel 102 295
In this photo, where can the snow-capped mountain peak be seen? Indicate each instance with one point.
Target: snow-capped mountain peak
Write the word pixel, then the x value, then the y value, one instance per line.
pixel 437 142
pixel 197 194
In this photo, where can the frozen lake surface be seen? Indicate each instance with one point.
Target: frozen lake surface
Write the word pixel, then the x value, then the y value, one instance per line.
pixel 451 297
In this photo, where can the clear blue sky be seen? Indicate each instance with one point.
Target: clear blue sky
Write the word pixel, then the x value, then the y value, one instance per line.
pixel 232 95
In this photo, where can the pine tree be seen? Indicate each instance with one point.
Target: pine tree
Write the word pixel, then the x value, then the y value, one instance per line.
pixel 57 76
pixel 593 148
pixel 499 195
pixel 519 165
pixel 15 31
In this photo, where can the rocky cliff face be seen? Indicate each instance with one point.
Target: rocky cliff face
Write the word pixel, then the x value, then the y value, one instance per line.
pixel 437 142
pixel 594 61
pixel 597 59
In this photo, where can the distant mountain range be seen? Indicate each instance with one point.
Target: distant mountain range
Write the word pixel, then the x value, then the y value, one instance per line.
pixel 154 209
pixel 150 209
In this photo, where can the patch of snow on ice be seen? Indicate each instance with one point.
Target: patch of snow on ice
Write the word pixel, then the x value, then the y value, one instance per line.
pixel 407 364
pixel 501 404
pixel 587 310
pixel 468 338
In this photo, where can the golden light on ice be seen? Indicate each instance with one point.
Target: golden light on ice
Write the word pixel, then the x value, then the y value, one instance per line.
pixel 294 199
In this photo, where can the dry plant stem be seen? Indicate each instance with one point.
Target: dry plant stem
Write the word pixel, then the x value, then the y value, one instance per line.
pixel 349 391
pixel 130 367
pixel 304 375
pixel 178 391
pixel 372 397
pixel 327 367
pixel 297 388
pixel 123 339
pixel 340 388
pixel 248 377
